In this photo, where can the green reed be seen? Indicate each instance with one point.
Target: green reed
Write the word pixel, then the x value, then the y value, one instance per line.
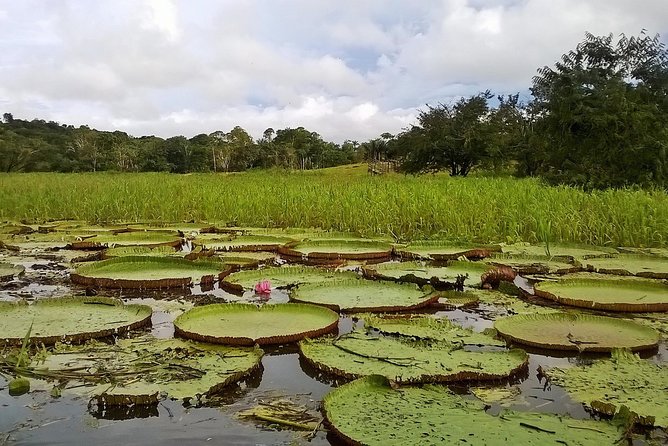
pixel 406 207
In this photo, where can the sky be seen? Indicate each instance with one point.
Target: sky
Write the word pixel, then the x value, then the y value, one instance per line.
pixel 347 69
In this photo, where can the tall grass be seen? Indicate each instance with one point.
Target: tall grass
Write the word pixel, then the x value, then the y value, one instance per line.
pixel 406 207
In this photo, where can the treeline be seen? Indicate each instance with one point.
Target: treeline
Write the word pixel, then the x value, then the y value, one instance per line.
pixel 38 145
pixel 598 119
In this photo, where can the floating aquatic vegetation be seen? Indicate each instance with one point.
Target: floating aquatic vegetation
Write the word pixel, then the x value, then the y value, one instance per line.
pixel 452 300
pixel 149 272
pixel 573 250
pixel 142 370
pixel 247 324
pixel 370 411
pixel 577 332
pixel 242 243
pixel 654 267
pixel 141 250
pixel 332 249
pixel 364 295
pixel 283 277
pixel 624 380
pixel 109 239
pixel 410 271
pixel 285 413
pixel 428 327
pixel 73 319
pixel 445 250
pixel 536 264
pixel 607 294
pixel 9 271
pixel 409 361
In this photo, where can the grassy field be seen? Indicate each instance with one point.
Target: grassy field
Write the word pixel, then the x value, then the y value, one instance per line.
pixel 347 199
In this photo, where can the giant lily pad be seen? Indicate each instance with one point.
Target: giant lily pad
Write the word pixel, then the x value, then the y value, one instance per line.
pixel 246 324
pixel 397 270
pixel 365 295
pixel 654 267
pixel 283 277
pixel 473 271
pixel 577 332
pixel 72 319
pixel 151 251
pixel 9 271
pixel 427 327
pixel 576 251
pixel 444 250
pixel 148 272
pixel 337 249
pixel 142 369
pixel 404 360
pixel 440 277
pixel 129 238
pixel 612 295
pixel 624 380
pixel 243 243
pixel 369 411
pixel 536 264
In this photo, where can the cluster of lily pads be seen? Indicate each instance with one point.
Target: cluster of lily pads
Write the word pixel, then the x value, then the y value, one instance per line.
pixel 577 302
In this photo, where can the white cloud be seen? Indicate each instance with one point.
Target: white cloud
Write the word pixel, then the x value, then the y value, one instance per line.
pixel 346 69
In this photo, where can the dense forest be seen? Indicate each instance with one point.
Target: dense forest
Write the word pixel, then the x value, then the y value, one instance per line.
pixel 597 119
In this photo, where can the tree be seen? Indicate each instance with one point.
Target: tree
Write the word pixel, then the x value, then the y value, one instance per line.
pixel 603 113
pixel 85 148
pixel 453 137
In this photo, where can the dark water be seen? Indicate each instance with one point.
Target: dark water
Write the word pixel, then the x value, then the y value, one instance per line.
pixel 37 419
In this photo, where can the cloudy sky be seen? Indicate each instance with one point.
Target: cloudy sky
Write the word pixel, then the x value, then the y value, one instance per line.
pixel 348 69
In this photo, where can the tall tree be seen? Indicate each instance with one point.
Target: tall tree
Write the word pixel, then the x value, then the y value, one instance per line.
pixel 453 137
pixel 603 112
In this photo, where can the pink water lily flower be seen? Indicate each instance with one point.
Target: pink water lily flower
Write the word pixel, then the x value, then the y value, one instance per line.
pixel 263 287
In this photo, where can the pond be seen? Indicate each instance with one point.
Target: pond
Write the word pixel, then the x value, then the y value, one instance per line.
pixel 284 375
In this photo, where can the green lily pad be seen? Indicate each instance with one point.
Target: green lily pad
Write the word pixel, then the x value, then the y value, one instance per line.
pixel 242 243
pixel 247 324
pixel 606 294
pixel 624 380
pixel 427 327
pixel 445 250
pixel 364 295
pixel 142 369
pixel 130 238
pixel 397 270
pixel 496 303
pixel 259 257
pixel 9 271
pixel 152 251
pixel 11 228
pixel 283 277
pixel 577 332
pixel 497 395
pixel 576 251
pixel 369 411
pixel 536 264
pixel 329 249
pixel 452 300
pixel 74 319
pixel 409 361
pixel 144 272
pixel 654 267
pixel 472 270
pixel 658 252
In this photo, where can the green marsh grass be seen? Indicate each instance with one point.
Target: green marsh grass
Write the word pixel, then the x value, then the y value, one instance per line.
pixel 347 199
